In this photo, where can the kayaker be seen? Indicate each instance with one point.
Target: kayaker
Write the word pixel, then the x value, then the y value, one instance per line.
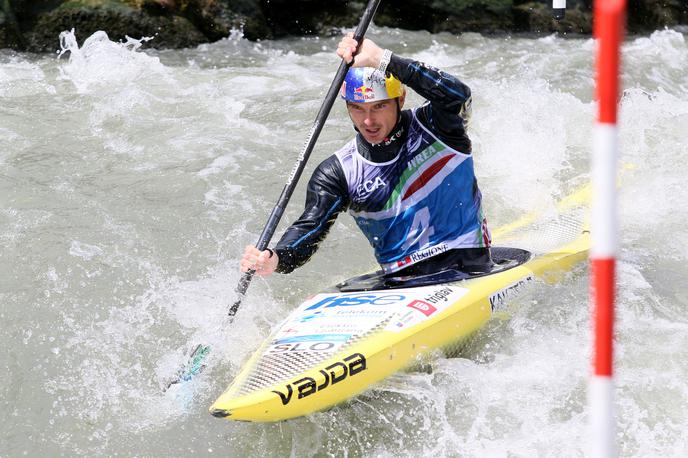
pixel 407 177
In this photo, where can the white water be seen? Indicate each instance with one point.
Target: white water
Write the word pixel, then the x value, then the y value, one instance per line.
pixel 130 181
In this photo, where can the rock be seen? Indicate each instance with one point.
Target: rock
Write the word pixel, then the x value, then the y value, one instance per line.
pixel 536 17
pixel 488 16
pixel 220 17
pixel 485 16
pixel 307 17
pixel 4 39
pixel 117 19
pixel 649 15
pixel 35 24
pixel 454 16
pixel 172 23
pixel 10 34
pixel 215 18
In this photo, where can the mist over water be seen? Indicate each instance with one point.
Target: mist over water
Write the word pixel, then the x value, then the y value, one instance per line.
pixel 130 182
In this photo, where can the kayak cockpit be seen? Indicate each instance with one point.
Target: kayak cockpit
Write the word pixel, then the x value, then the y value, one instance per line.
pixel 503 258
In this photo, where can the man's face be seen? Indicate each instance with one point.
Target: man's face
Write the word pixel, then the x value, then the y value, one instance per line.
pixel 374 120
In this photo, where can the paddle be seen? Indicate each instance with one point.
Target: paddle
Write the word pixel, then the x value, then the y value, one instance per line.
pixel 195 363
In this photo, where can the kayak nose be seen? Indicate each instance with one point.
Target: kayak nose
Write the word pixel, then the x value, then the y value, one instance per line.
pixel 220 413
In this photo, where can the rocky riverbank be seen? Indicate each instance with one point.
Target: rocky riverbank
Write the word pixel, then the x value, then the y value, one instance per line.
pixel 34 25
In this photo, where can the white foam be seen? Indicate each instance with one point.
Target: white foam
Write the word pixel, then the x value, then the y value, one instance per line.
pixel 100 64
pixel 84 250
pixel 21 78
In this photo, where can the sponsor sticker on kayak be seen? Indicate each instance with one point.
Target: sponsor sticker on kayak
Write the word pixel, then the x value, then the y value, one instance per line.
pixel 426 304
pixel 355 300
pixel 330 315
pixel 499 299
pixel 423 307
pixel 308 343
pixel 340 314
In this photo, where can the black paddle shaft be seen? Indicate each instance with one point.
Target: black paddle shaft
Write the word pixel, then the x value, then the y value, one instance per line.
pixel 278 211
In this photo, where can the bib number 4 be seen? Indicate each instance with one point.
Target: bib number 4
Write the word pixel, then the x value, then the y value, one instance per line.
pixel 420 231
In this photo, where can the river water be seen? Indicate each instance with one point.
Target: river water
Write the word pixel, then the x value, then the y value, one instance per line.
pixel 130 182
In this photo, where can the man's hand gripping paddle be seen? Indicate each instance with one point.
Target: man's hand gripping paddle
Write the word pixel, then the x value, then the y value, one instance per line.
pixel 195 363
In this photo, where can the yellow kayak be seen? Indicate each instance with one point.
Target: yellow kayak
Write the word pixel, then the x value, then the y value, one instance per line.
pixel 340 342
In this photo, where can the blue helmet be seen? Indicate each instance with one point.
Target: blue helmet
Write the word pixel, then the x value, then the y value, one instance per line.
pixel 367 84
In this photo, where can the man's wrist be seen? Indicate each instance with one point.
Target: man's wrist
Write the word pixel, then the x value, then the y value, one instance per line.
pixel 284 258
pixel 400 67
pixel 384 61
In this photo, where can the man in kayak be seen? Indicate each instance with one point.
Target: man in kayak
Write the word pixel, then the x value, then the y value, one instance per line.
pixel 407 177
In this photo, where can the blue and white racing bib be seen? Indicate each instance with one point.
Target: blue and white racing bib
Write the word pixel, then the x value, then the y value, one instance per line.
pixel 420 204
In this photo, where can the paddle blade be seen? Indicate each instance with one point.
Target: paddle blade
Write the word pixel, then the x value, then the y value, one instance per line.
pixel 193 366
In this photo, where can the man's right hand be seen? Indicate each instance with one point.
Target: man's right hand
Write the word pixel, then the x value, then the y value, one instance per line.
pixel 259 261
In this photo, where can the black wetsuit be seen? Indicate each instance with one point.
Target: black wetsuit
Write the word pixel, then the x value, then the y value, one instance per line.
pixel 446 115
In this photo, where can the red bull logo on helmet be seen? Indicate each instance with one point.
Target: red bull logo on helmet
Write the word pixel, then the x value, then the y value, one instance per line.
pixel 364 93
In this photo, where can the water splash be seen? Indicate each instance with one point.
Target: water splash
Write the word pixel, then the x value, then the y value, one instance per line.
pixel 100 63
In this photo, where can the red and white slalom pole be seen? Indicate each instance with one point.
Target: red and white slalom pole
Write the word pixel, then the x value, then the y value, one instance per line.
pixel 609 17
